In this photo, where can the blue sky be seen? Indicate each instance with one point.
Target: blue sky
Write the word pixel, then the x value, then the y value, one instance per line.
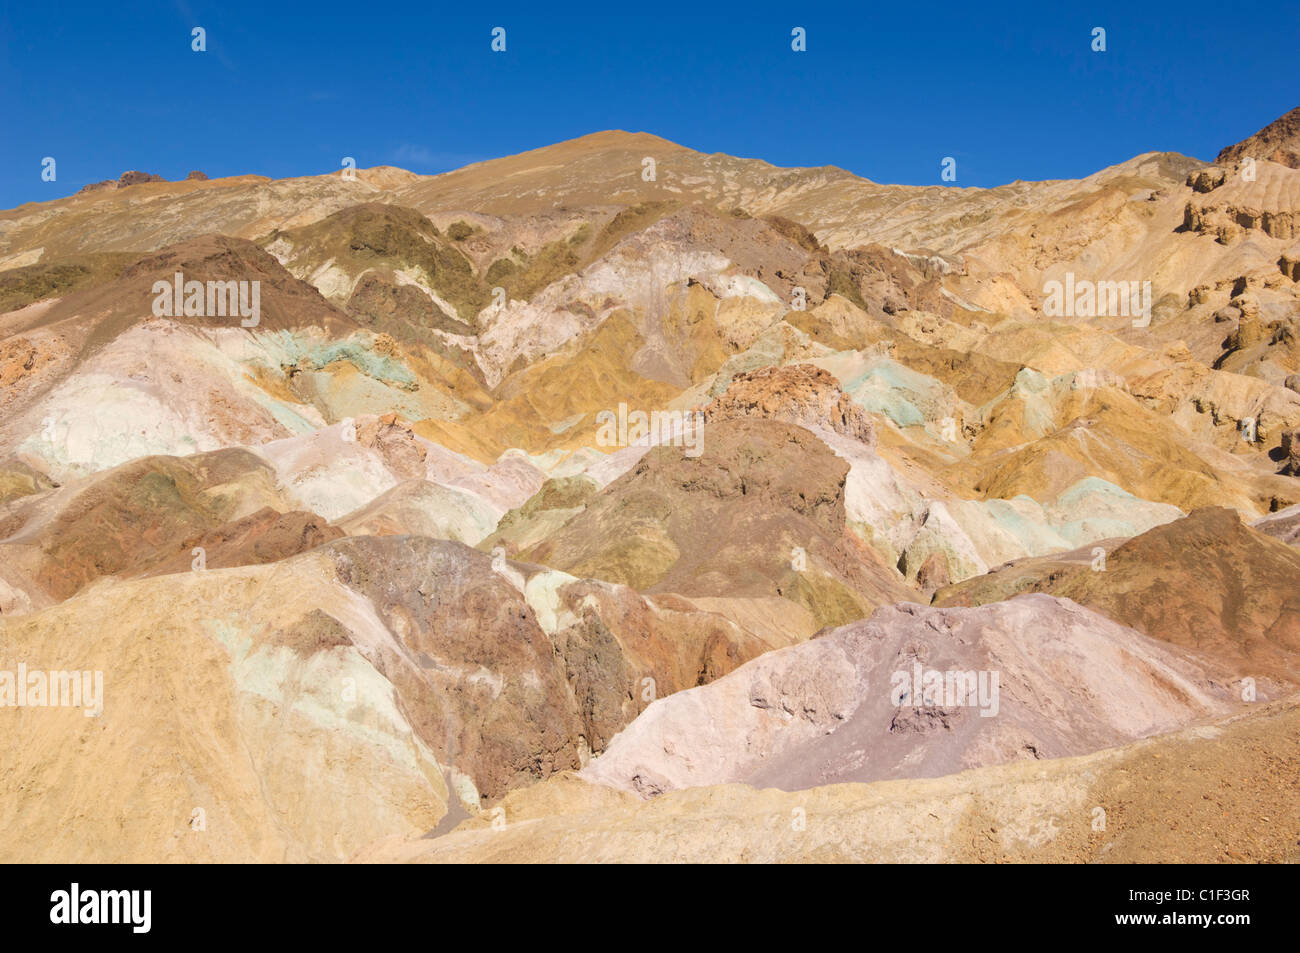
pixel 1013 92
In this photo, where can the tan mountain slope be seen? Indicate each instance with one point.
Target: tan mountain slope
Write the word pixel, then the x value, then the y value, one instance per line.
pixel 1041 444
pixel 151 215
pixel 1283 525
pixel 546 511
pixel 21 286
pixel 603 168
pixel 391 676
pixel 888 409
pixel 1278 142
pixel 244 717
pixel 1201 795
pixel 506 342
pixel 143 517
pixel 881 698
pixel 1206 582
pixel 63 334
pixel 759 513
pixel 98 379
pixel 383 244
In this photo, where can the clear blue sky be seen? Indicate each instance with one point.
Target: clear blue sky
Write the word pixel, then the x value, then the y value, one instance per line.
pixel 1012 92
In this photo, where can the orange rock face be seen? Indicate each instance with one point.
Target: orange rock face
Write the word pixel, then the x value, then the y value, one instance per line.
pixel 798 394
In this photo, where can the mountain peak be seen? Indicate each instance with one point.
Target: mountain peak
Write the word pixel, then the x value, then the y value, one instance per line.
pixel 1279 142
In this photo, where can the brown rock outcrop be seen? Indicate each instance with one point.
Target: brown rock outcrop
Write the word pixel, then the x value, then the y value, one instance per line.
pixel 395 439
pixel 1206 180
pixel 145 517
pixel 1206 581
pixel 799 394
pixel 727 522
pixel 1278 142
pixel 126 179
pixel 137 178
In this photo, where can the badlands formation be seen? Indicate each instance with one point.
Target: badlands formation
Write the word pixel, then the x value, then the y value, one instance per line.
pixel 544 510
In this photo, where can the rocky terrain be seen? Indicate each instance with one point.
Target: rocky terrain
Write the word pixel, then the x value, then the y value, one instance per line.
pixel 544 511
pixel 1278 142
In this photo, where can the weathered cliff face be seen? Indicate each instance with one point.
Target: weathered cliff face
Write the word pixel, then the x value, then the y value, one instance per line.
pixel 1278 142
pixel 1232 202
